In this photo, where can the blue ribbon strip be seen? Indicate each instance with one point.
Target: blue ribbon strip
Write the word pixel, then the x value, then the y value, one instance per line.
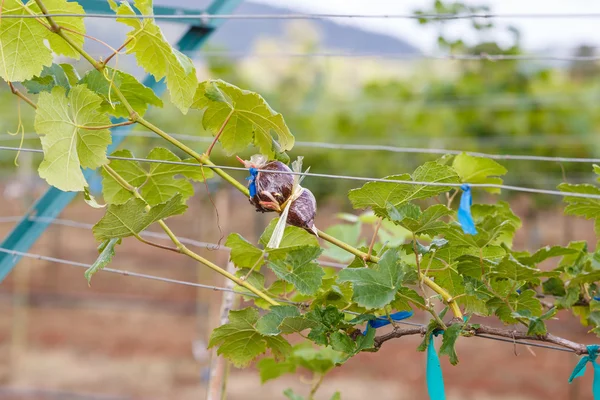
pixel 464 211
pixel 435 379
pixel 383 321
pixel 580 369
pixel 252 179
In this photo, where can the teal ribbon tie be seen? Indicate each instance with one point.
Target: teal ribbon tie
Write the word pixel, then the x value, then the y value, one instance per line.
pixel 435 379
pixel 580 369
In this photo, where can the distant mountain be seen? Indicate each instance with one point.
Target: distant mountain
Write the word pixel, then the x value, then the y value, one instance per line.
pixel 239 35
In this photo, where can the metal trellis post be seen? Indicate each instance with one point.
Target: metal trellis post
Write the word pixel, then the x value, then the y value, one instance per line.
pixel 51 204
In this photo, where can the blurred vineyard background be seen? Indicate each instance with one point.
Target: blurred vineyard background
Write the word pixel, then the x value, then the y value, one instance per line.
pixel 127 338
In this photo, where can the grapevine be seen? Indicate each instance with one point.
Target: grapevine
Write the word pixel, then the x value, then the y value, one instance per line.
pixel 433 264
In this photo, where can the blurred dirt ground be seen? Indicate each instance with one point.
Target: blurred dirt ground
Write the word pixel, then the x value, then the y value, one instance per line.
pixel 130 338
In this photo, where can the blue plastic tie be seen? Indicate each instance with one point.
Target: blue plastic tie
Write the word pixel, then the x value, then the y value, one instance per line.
pixel 580 369
pixel 464 211
pixel 435 378
pixel 597 298
pixel 383 321
pixel 252 179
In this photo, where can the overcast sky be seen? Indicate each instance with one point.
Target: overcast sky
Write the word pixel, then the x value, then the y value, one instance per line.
pixel 537 34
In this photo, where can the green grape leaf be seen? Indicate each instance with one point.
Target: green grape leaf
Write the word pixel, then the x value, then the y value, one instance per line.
pixel 376 287
pixel 270 368
pixel 22 40
pixel 295 324
pixel 268 324
pixel 70 136
pixel 107 252
pixel 319 361
pixel 473 169
pixel 300 269
pixel 334 293
pixel 536 324
pixel 545 253
pixel 525 303
pixel 247 118
pixel 448 346
pixel 326 321
pixel 406 210
pixel 57 43
pixel 240 342
pixel 475 298
pixel 342 342
pixel 157 184
pixel 587 208
pixel 450 280
pixel 586 277
pixel 428 222
pixel 90 199
pixel 554 286
pixel 336 396
pixel 406 298
pixel 156 56
pixel 509 268
pixel 364 342
pixel 139 96
pixel 129 219
pixel 243 253
pixel 257 280
pixel 56 75
pixel 377 195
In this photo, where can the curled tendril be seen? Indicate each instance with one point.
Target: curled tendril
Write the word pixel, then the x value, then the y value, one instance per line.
pixel 20 130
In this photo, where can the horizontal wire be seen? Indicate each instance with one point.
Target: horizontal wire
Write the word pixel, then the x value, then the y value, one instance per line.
pixel 208 17
pixel 545 140
pixel 394 149
pixel 364 147
pixel 347 177
pixel 222 289
pixel 533 344
pixel 16 253
pixel 156 235
pixel 403 56
pixel 83 225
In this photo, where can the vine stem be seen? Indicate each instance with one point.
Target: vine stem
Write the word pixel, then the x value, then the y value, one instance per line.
pixel 102 127
pixel 117 51
pixel 427 281
pixel 201 158
pixel 16 92
pixel 216 139
pixel 204 159
pixel 375 231
pixel 488 331
pixel 181 247
pixel 316 386
pixel 58 30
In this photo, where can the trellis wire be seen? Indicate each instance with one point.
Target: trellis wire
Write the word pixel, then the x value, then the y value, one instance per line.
pixel 346 177
pixel 404 56
pixel 363 147
pixel 83 225
pixel 207 17
pixel 155 235
pixel 222 289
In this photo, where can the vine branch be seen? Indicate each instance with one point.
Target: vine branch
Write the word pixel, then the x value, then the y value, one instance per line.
pixel 577 348
pixel 16 92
